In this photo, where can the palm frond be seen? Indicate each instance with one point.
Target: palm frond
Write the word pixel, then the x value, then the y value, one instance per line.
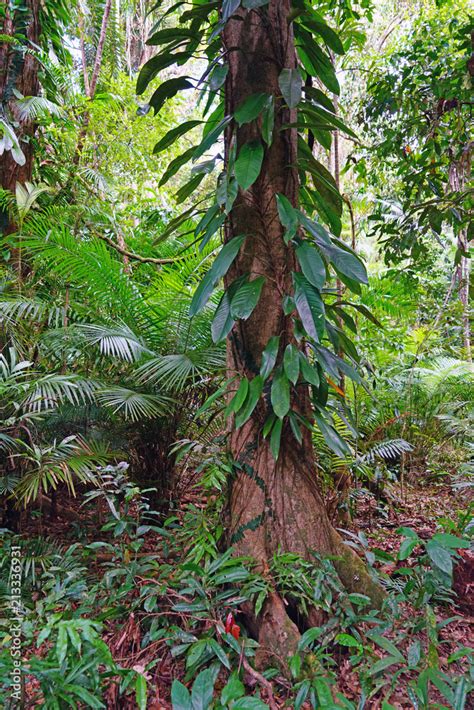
pixel 49 391
pixel 389 450
pixel 133 405
pixel 176 371
pixel 37 107
pixel 115 340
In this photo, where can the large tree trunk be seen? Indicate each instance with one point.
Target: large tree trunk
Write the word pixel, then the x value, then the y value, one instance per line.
pixel 18 72
pixel 273 504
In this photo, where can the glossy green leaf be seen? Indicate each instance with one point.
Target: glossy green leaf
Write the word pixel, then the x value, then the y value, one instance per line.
pixel 440 557
pixel 61 643
pixel 406 547
pixel 331 437
pixel 239 398
pixel 176 164
pixel 310 307
pixel 171 34
pixel 203 690
pixel 251 108
pixel 295 427
pixel 211 138
pixel 156 64
pixel 280 394
pixel 223 321
pixel 246 298
pixel 218 76
pixel 167 90
pixel 228 8
pixel 188 188
pixel 249 163
pixel 275 438
pixel 348 263
pixel 141 691
pixel 318 26
pixel 219 268
pixel 291 363
pixel 288 216
pixel 309 371
pixel 233 690
pixel 291 84
pixel 312 265
pixel 255 390
pixel 269 356
pixel 173 135
pixel 268 120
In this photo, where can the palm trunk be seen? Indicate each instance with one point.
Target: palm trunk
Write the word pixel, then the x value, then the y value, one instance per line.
pixel 274 505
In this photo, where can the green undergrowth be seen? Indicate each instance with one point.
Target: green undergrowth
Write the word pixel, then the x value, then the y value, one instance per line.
pixel 99 616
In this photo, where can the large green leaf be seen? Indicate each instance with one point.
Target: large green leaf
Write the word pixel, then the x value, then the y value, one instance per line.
pixel 180 696
pixel 156 64
pixel 324 118
pixel 188 188
pixel 314 60
pixel 268 120
pixel 246 298
pixel 167 90
pixel 310 307
pixel 223 322
pixel 288 216
pixel 250 108
pixel 255 390
pixel 239 397
pixel 440 557
pixel 291 83
pixel 312 265
pixel 219 268
pixel 173 135
pixel 275 439
pixel 218 76
pixel 203 690
pixel 291 363
pixel 269 356
pixel 248 164
pixel 309 371
pixel 171 34
pixel 348 263
pixel 141 691
pixel 331 437
pixel 317 25
pixel 280 394
pixel 176 164
pixel 228 8
pixel 211 137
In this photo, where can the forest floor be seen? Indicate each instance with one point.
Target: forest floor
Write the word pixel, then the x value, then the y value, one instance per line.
pixel 421 509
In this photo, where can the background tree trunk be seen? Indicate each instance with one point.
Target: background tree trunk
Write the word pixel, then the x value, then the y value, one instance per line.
pixel 18 71
pixel 273 504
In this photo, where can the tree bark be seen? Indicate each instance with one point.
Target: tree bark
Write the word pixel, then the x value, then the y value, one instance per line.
pixel 459 172
pixel 18 72
pixel 274 505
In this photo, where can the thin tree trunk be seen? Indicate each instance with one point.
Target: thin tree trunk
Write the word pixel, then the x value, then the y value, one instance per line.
pixel 18 72
pixel 274 505
pixel 100 48
pixel 82 43
pixel 459 172
pixel 91 86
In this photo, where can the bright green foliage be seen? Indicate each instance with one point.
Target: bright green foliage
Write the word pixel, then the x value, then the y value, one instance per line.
pixel 418 115
pixel 317 249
